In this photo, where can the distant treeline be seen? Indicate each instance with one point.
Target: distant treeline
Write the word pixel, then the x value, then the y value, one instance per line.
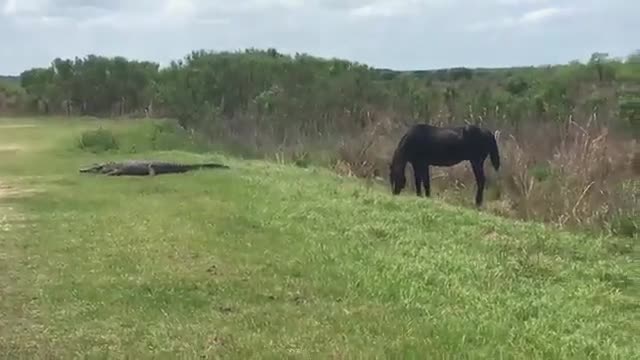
pixel 320 95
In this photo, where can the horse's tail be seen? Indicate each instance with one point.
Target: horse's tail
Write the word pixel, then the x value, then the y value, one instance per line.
pixel 493 152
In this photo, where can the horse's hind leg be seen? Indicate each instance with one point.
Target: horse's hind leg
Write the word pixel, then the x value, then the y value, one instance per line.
pixel 418 174
pixel 478 172
pixel 426 180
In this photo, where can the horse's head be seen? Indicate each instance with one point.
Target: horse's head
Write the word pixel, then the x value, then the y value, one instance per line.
pixel 397 178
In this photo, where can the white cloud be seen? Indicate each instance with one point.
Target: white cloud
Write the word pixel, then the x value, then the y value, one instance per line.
pixel 15 7
pixel 380 8
pixel 397 8
pixel 10 7
pixel 172 13
pixel 526 19
pixel 541 15
pixel 179 8
pixel 386 33
pixel 521 2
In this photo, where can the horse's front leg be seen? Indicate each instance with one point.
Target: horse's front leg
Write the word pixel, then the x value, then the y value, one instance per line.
pixel 418 171
pixel 478 172
pixel 426 180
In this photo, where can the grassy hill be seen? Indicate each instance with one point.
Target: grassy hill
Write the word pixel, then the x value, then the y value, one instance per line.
pixel 270 261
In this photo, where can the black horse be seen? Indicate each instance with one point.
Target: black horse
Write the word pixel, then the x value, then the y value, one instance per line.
pixel 424 145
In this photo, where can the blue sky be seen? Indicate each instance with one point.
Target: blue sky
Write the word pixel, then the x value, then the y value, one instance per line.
pixel 398 34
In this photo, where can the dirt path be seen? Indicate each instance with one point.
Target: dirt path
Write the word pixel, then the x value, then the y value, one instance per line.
pixel 14 307
pixel 14 302
pixel 8 215
pixel 10 218
pixel 16 126
pixel 10 148
pixel 7 190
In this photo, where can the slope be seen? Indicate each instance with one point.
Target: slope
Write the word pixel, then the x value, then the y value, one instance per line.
pixel 272 261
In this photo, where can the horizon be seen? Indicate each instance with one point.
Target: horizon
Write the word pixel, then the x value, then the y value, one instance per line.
pixel 402 35
pixel 293 53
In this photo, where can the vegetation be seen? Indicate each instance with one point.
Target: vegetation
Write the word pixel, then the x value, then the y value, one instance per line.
pixel 272 260
pixel 568 132
pixel 12 95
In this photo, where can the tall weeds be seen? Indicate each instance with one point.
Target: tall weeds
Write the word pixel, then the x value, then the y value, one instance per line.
pixel 567 174
pixel 570 174
pixel 576 181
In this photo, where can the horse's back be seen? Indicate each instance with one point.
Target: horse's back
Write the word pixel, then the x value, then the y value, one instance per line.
pixel 443 146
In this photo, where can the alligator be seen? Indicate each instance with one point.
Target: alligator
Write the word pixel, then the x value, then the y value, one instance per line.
pixel 145 167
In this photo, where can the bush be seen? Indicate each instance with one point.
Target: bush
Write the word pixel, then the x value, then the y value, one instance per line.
pixel 147 136
pixel 625 218
pixel 169 135
pixel 626 225
pixel 97 141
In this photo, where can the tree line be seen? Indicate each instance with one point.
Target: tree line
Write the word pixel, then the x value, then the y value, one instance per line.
pixel 206 89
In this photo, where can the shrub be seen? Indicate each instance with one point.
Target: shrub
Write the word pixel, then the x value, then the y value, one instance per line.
pixel 97 141
pixel 625 217
pixel 146 136
pixel 167 135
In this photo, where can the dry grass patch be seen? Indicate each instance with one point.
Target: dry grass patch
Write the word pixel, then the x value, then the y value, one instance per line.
pixel 16 126
pixel 9 217
pixel 570 174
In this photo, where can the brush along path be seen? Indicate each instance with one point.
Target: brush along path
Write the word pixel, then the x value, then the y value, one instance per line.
pixel 15 291
pixel 275 261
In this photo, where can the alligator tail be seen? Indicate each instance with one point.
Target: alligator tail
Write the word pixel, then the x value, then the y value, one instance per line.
pixel 211 166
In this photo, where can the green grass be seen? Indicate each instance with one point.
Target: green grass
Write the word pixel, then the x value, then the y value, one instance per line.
pixel 274 261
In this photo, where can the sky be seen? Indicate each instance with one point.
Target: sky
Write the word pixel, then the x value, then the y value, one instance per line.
pixel 396 34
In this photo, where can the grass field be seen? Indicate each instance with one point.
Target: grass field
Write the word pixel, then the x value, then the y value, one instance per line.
pixel 273 261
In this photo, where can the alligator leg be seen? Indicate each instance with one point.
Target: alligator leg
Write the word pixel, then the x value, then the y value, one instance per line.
pixel 152 171
pixel 114 172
